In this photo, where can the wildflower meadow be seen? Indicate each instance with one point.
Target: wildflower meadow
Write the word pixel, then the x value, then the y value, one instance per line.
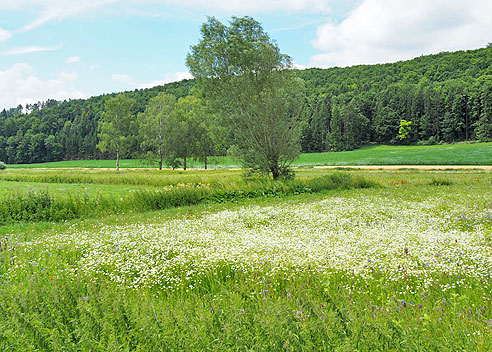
pixel 403 266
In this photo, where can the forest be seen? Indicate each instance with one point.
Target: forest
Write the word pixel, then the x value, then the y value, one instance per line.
pixel 443 98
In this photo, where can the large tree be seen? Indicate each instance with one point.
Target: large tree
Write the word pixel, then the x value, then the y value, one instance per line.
pixel 249 82
pixel 117 126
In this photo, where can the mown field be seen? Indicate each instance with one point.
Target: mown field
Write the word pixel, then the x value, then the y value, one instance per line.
pixel 446 154
pixel 338 261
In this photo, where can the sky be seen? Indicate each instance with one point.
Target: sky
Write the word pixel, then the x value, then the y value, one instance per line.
pixel 69 49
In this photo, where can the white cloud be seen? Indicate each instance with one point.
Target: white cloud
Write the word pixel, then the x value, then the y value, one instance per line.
pixel 4 35
pixel 168 78
pixel 299 66
pixel 125 79
pixel 379 31
pixel 69 76
pixel 28 50
pixel 73 59
pixel 19 85
pixel 253 6
pixel 57 10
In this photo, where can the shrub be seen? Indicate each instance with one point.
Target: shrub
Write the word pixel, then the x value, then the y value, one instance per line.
pixel 3 166
pixel 440 182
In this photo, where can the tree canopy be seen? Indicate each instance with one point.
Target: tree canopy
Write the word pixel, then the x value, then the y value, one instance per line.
pixel 155 125
pixel 251 86
pixel 117 126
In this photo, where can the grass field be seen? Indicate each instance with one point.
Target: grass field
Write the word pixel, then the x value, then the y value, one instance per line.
pixel 34 195
pixel 129 177
pixel 448 154
pixel 401 266
pixel 214 163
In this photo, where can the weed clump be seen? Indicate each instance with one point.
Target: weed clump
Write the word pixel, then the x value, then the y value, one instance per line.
pixel 440 182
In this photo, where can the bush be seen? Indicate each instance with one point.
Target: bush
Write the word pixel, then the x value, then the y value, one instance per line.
pixel 440 182
pixel 3 166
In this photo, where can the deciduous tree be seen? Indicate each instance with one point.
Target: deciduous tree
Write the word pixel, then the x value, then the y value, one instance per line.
pixel 116 126
pixel 155 125
pixel 248 80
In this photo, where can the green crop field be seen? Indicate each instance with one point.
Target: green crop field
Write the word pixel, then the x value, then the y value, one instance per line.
pixel 338 261
pixel 446 154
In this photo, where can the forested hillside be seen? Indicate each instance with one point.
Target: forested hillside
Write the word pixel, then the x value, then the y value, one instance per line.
pixel 427 100
pixel 447 97
pixel 54 131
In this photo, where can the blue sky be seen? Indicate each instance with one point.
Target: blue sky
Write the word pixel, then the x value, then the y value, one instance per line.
pixel 64 49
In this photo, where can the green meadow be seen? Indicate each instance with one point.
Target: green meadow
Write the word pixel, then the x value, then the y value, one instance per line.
pixel 445 154
pixel 143 260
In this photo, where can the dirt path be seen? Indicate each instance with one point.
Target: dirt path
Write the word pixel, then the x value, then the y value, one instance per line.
pixel 412 167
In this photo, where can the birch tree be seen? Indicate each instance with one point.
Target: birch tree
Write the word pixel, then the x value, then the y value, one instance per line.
pixel 116 126
pixel 155 125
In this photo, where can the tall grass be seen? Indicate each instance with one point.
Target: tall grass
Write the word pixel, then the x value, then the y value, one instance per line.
pixel 50 302
pixel 41 205
pixel 110 177
pixel 303 312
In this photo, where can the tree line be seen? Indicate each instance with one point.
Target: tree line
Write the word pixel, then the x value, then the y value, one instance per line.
pixel 168 130
pixel 430 112
pixel 68 130
pixel 433 99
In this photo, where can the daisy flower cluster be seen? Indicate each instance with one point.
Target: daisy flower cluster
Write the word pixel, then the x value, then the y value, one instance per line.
pixel 361 234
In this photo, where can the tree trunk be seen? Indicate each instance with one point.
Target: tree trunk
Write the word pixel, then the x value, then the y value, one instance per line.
pixel 160 163
pixel 117 161
pixel 466 119
pixel 275 171
pixel 205 162
pixel 184 162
